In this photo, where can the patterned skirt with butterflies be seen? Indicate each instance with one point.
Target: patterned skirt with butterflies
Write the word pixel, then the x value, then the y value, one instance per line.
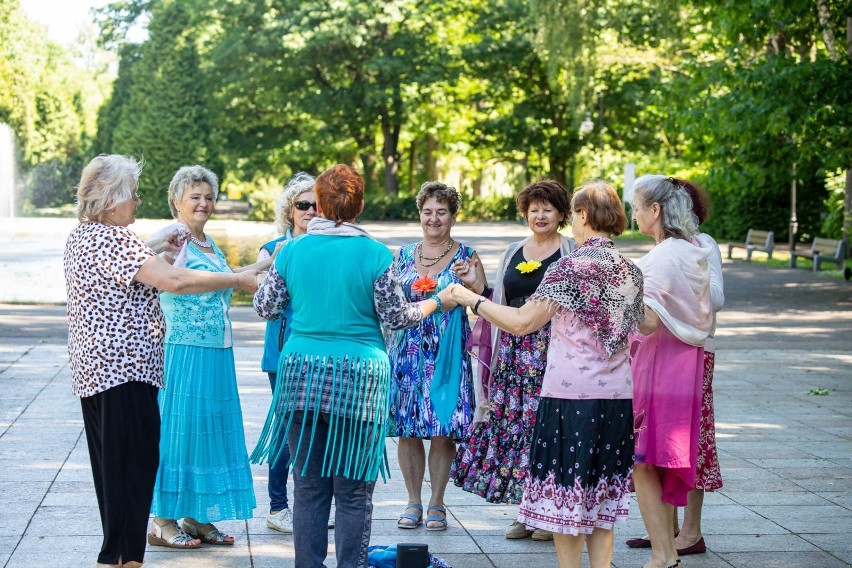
pixel 581 466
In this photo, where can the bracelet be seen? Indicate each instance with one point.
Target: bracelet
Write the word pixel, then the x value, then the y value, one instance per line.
pixel 476 306
pixel 438 301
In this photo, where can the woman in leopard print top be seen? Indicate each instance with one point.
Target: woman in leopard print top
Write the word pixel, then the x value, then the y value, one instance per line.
pixel 115 343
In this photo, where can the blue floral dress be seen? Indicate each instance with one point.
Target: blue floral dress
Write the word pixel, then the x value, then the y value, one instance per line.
pixel 412 354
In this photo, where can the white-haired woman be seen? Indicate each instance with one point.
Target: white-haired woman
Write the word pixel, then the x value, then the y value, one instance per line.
pixel 204 473
pixel 668 363
pixel 115 342
pixel 294 209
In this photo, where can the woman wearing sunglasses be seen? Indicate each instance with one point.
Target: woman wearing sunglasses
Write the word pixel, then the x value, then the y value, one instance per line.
pixel 294 209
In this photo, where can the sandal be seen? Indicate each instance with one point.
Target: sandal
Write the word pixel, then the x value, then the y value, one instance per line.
pixel 416 520
pixel 441 521
pixel 178 540
pixel 212 536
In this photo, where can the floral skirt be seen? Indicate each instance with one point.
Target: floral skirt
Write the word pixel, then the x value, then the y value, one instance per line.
pixel 493 460
pixel 581 466
pixel 707 474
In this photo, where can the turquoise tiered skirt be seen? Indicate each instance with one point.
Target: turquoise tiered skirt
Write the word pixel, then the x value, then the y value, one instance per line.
pixel 204 469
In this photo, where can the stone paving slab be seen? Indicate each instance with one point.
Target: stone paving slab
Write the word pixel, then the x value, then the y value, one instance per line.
pixel 786 455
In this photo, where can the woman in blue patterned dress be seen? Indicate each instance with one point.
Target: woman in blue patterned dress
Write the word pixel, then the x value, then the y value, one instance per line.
pixel 204 474
pixel 431 385
pixel 493 460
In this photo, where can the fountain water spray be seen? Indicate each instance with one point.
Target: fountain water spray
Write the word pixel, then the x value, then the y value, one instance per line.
pixel 7 172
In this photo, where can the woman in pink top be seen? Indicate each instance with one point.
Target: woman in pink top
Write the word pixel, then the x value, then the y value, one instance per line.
pixel 668 362
pixel 581 456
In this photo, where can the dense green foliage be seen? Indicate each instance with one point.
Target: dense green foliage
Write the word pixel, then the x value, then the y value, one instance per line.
pixel 484 94
pixel 50 100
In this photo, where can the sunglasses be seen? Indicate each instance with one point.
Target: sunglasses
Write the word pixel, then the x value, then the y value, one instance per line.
pixel 305 205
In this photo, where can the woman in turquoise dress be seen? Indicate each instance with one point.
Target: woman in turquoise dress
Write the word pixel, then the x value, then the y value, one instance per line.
pixel 431 383
pixel 204 474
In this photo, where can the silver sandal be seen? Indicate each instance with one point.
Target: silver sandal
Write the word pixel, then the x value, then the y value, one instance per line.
pixel 179 540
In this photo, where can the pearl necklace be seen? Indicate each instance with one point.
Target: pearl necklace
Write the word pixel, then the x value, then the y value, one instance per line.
pixel 435 260
pixel 205 244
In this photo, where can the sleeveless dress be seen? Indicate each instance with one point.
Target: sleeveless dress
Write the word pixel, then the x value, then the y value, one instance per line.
pixel 493 461
pixel 413 352
pixel 204 469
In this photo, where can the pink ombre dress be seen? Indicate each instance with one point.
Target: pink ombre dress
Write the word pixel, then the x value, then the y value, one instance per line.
pixel 667 378
pixel 668 365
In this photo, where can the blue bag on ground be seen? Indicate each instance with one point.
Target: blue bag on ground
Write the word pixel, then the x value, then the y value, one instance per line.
pixel 385 557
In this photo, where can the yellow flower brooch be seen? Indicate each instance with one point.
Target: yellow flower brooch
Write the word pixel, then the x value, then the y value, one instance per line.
pixel 528 266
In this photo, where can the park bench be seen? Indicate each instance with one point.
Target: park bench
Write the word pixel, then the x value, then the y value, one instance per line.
pixel 755 240
pixel 822 250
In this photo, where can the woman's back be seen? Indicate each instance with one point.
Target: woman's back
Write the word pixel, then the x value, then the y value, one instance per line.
pixel 331 282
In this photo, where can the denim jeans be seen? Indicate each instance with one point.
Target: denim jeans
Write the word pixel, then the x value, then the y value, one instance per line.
pixel 278 470
pixel 312 502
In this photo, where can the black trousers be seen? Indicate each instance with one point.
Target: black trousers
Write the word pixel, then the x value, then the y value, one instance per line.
pixel 123 433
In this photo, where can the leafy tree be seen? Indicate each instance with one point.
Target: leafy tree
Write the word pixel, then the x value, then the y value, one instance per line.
pixel 160 110
pixel 43 97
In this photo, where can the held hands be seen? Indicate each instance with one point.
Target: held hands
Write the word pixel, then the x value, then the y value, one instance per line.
pixel 461 295
pixel 249 281
pixel 168 240
pixel 447 301
pixel 467 271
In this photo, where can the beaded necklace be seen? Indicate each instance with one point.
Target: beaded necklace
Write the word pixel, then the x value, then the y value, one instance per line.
pixel 199 242
pixel 434 260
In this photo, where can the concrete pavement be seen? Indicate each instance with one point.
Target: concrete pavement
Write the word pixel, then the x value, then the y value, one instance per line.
pixel 786 453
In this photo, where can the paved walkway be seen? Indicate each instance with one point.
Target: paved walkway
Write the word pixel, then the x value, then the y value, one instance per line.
pixel 786 455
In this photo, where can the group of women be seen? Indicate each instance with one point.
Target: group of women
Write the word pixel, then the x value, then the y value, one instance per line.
pixel 543 404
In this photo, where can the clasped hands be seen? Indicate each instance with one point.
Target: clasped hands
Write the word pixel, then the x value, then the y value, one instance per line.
pixel 457 295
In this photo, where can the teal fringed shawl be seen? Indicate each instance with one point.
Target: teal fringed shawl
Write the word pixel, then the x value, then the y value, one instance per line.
pixel 354 396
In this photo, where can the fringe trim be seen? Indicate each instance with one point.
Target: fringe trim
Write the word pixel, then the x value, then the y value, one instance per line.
pixel 358 408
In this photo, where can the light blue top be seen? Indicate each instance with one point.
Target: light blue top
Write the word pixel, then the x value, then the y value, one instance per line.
pixel 272 338
pixel 200 319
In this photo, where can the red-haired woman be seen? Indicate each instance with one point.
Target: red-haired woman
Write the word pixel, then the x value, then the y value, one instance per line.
pixel 331 398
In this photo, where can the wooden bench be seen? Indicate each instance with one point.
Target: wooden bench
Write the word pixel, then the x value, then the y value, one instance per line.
pixel 822 250
pixel 755 240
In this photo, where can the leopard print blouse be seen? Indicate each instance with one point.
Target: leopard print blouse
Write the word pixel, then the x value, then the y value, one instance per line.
pixel 115 325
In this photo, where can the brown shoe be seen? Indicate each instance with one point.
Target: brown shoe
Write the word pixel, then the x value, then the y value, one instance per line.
pixel 542 535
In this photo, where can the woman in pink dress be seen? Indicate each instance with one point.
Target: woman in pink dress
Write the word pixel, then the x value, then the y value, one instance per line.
pixel 708 477
pixel 668 359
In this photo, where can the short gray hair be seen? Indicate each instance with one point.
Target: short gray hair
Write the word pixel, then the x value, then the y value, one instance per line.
pixel 107 181
pixel 442 192
pixel 300 183
pixel 676 205
pixel 188 177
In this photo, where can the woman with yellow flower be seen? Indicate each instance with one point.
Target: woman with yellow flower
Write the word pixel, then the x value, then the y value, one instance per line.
pixel 431 383
pixel 493 461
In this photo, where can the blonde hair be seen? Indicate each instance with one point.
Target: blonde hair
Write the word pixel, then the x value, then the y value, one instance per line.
pixel 187 177
pixel 107 181
pixel 297 185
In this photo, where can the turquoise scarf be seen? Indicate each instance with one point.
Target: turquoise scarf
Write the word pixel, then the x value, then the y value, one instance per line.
pixel 446 378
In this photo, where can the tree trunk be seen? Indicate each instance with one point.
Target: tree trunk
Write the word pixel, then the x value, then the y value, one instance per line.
pixel 391 156
pixel 432 146
pixel 847 197
pixel 368 162
pixel 827 32
pixel 412 165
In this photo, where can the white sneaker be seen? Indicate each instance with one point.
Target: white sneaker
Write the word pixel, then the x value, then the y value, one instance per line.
pixel 282 521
